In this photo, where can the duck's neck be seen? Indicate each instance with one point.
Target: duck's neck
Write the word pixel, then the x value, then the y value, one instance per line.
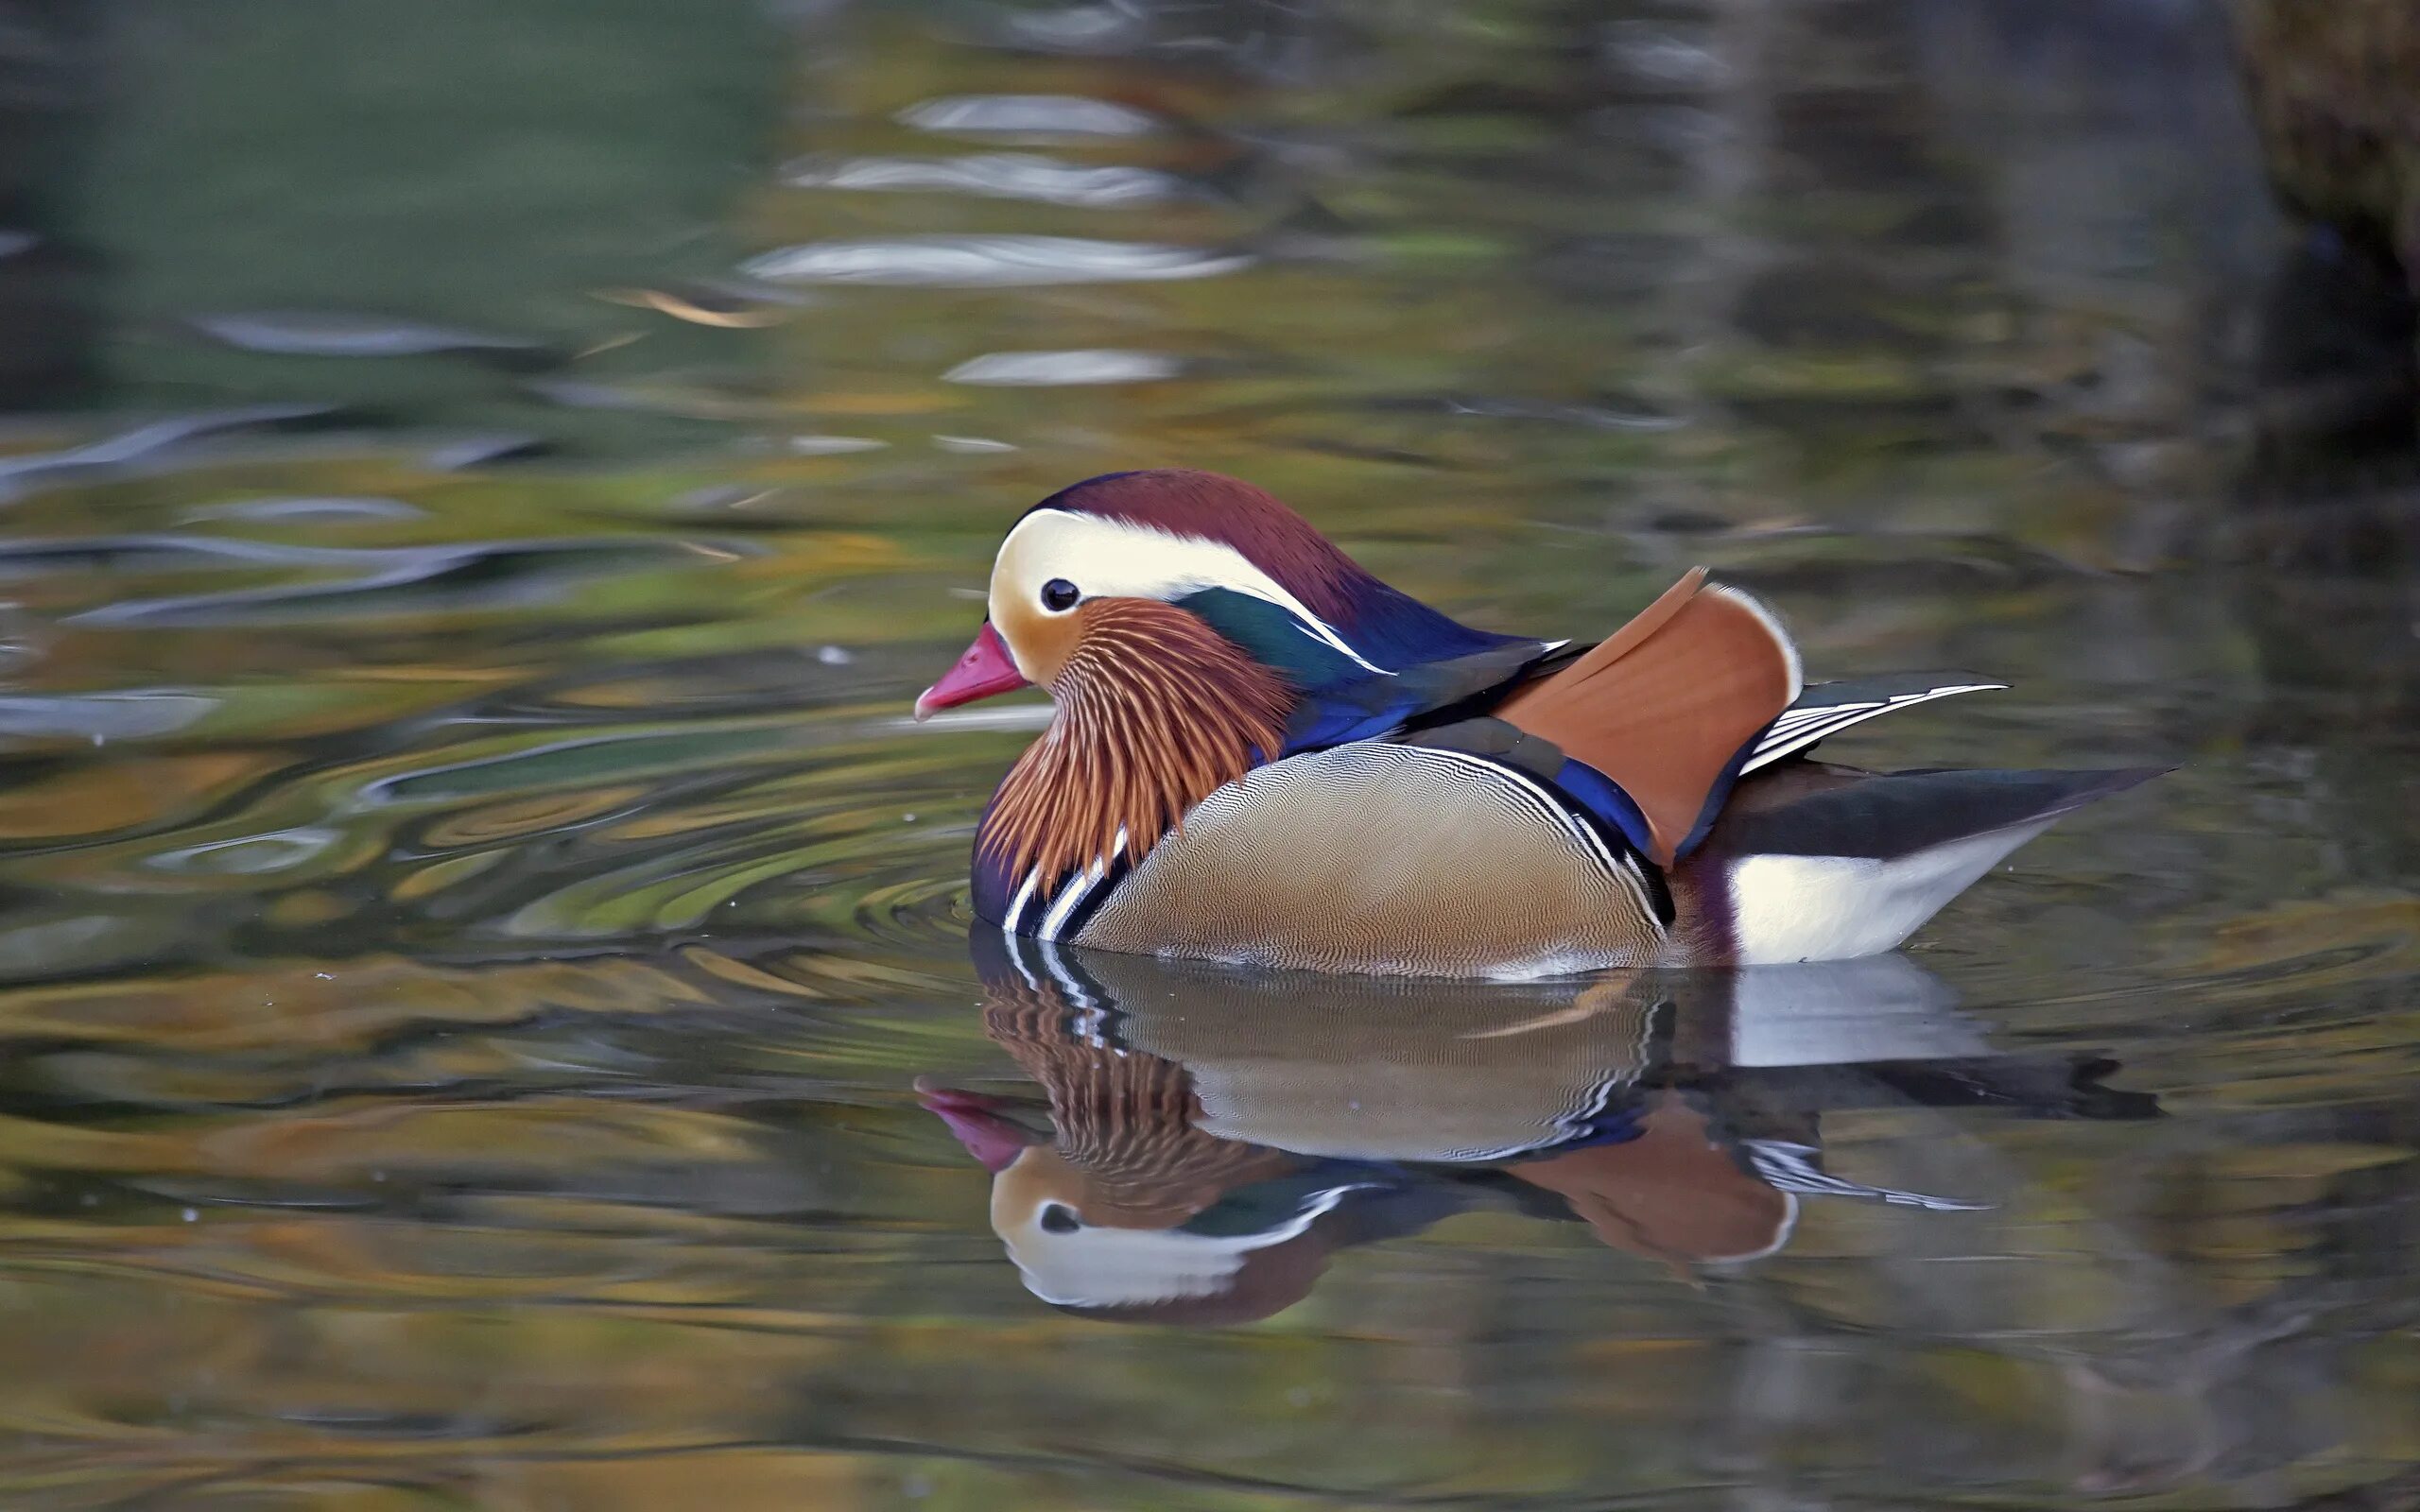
pixel 1157 711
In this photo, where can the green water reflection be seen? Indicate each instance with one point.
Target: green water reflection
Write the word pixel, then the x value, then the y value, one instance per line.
pixel 484 948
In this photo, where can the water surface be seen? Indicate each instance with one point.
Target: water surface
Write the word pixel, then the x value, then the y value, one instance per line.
pixel 489 1016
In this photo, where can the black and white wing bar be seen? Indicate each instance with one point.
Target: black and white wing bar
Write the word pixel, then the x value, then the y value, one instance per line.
pixel 1828 707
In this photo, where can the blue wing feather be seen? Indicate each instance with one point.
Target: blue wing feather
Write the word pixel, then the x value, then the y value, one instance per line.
pixel 1405 660
pixel 1600 795
pixel 1368 706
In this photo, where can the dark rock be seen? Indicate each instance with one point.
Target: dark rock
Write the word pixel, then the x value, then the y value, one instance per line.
pixel 2334 90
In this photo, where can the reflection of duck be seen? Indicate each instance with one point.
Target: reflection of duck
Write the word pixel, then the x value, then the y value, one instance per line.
pixel 1208 1137
pixel 1262 753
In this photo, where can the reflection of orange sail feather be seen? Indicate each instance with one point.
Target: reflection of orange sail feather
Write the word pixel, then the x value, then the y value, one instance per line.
pixel 1674 1194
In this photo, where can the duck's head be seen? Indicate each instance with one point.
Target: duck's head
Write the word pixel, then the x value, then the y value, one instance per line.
pixel 1184 624
pixel 1133 573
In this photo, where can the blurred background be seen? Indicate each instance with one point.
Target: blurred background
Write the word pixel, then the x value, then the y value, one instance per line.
pixel 481 481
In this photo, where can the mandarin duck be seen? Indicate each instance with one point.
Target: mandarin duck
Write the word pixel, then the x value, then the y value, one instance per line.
pixel 1209 1136
pixel 1262 754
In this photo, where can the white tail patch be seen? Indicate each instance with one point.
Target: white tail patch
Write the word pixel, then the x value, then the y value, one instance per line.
pixel 1788 908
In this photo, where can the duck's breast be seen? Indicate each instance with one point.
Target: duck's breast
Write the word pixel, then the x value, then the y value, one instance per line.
pixel 1385 858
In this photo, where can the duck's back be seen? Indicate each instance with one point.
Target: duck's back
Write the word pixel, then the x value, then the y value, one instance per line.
pixel 1383 857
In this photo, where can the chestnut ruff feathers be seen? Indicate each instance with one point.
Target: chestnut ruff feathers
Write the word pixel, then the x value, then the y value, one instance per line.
pixel 1156 711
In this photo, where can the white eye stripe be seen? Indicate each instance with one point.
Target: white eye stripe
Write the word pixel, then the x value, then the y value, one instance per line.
pixel 1110 558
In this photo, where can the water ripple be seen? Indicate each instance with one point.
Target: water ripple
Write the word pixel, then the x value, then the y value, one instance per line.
pixel 308 511
pixel 132 714
pixel 1043 369
pixel 147 443
pixel 991 262
pixel 328 334
pixel 1027 115
pixel 994 175
pixel 384 580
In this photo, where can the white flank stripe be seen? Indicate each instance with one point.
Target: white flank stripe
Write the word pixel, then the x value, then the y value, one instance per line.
pixel 1083 887
pixel 1025 896
pixel 1068 901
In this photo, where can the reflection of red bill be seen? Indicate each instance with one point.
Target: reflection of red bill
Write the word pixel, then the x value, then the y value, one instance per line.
pixel 985 669
pixel 994 1140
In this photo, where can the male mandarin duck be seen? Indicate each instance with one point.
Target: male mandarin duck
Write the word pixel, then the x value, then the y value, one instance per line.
pixel 1262 754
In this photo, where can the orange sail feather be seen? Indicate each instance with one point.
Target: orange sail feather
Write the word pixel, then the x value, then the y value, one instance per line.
pixel 1664 705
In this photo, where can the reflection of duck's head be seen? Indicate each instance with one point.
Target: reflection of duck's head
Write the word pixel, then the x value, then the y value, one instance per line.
pixel 1255 1250
pixel 1117 1205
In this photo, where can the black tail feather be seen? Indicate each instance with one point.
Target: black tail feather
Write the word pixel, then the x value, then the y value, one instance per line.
pixel 1898 814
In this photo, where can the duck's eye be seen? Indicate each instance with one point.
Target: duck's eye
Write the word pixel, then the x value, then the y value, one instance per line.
pixel 1057 1220
pixel 1058 595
